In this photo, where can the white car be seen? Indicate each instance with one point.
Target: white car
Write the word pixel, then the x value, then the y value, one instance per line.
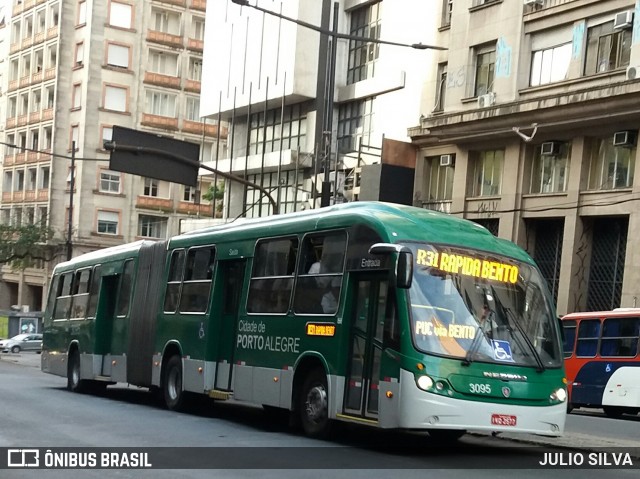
pixel 22 342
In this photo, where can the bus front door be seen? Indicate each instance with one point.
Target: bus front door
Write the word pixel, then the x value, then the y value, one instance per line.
pixel 231 278
pixel 367 327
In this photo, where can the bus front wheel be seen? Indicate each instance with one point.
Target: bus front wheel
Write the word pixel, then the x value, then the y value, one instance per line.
pixel 614 412
pixel 172 384
pixel 314 405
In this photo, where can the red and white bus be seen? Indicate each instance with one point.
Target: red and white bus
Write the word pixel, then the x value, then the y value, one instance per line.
pixel 602 360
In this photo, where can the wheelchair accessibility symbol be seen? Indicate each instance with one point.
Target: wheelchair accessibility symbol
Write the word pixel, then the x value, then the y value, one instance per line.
pixel 501 350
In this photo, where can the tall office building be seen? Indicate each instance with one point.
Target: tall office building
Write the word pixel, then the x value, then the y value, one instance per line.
pixel 75 69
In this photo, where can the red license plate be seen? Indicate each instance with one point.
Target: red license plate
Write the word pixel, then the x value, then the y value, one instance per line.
pixel 503 420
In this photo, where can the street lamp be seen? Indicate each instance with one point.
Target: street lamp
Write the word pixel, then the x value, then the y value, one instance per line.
pixel 324 91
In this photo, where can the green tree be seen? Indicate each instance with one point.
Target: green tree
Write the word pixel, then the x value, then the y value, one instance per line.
pixel 215 192
pixel 21 246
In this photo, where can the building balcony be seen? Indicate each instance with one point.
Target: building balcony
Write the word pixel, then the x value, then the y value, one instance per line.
pixel 192 85
pixel 154 203
pixel 32 156
pixel 157 121
pixel 34 117
pixel 20 158
pixel 30 195
pixel 195 45
pixel 29 4
pixel 25 81
pixel 27 42
pixel 198 5
pixel 43 194
pixel 180 3
pixel 38 37
pixel 443 206
pixel 47 114
pixel 11 122
pixel 6 197
pixel 23 120
pixel 162 80
pixel 188 208
pixel 18 196
pixel 17 9
pixel 165 38
pixel 50 73
pixel 9 160
pixel 38 2
pixel 37 76
pixel 52 32
pixel 13 85
pixel 14 48
pixel 196 127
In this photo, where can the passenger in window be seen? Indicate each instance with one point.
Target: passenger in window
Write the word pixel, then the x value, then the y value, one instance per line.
pixel 329 300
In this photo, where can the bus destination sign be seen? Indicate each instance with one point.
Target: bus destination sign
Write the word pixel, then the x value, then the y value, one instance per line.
pixel 468 266
pixel 321 329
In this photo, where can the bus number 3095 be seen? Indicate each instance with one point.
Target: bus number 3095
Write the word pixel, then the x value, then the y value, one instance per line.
pixel 480 388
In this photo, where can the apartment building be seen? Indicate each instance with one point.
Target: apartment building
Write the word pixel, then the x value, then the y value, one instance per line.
pixel 268 76
pixel 530 128
pixel 75 69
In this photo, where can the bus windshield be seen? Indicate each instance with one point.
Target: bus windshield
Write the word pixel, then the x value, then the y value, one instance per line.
pixel 481 307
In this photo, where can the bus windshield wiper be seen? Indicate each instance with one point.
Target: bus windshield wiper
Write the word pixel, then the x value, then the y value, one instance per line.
pixel 475 344
pixel 532 348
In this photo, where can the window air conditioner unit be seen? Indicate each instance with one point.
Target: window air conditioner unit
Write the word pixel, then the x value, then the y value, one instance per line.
pixel 550 148
pixel 624 138
pixel 534 2
pixel 486 100
pixel 633 73
pixel 446 160
pixel 623 20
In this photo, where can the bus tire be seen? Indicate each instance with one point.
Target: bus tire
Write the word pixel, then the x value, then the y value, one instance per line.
pixel 314 405
pixel 614 412
pixel 74 383
pixel 172 384
pixel 446 435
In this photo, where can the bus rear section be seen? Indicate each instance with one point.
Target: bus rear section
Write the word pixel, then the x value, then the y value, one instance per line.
pixel 602 362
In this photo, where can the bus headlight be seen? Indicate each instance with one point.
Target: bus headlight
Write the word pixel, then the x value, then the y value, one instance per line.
pixel 425 383
pixel 559 395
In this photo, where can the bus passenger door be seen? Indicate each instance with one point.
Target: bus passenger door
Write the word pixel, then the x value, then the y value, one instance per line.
pixel 105 315
pixel 366 346
pixel 231 277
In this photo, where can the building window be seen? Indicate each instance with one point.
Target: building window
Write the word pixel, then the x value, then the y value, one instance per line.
pixel 115 98
pixel 276 135
pixel 365 22
pixel 120 15
pixel 165 22
pixel 118 56
pixel 441 87
pixel 197 28
pixel 291 194
pixel 487 173
pixel 550 65
pixel 75 137
pixel 549 173
pixel 163 63
pixel 193 109
pixel 108 222
pixel 439 181
pixel 611 166
pixel 107 133
pixel 152 226
pixel 44 178
pixel 189 194
pixel 607 49
pixel 355 124
pixel 7 185
pixel 195 69
pixel 447 11
pixel 109 182
pixel 79 53
pixel 485 70
pixel 77 96
pixel 161 104
pixel 150 187
pixel 82 13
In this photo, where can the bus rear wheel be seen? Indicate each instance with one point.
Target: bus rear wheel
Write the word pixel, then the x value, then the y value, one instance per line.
pixel 172 384
pixel 614 412
pixel 74 383
pixel 314 405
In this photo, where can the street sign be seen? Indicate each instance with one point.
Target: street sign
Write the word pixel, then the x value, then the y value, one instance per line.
pixel 154 156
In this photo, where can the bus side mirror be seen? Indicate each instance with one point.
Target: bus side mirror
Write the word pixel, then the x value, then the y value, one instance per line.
pixel 403 271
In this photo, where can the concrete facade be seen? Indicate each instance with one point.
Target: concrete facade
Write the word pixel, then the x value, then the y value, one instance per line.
pixel 74 69
pixel 559 112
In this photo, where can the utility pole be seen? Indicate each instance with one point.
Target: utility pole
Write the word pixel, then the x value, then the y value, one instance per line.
pixel 72 186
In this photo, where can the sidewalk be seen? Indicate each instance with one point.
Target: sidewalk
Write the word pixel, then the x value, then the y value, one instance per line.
pixel 25 358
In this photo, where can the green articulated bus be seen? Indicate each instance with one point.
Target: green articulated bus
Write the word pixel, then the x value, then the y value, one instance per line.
pixel 379 314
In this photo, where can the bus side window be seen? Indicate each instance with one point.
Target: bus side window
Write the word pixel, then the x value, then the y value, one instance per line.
pixel 319 278
pixel 63 297
pixel 80 293
pixel 569 328
pixel 619 337
pixel 196 286
pixel 126 287
pixel 53 294
pixel 174 281
pixel 94 292
pixel 272 276
pixel 588 335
